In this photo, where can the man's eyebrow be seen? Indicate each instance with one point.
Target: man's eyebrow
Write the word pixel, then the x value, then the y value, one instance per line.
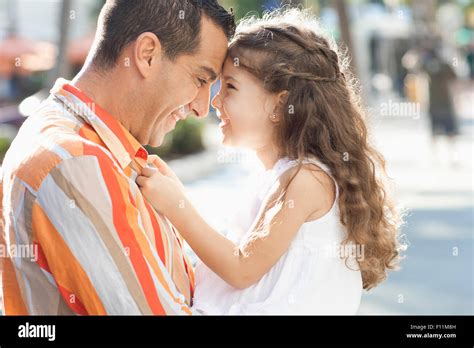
pixel 212 75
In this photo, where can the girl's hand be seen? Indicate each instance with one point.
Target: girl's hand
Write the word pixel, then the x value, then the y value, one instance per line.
pixel 164 192
pixel 164 169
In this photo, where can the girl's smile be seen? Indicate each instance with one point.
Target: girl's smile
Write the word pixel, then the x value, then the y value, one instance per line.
pixel 224 123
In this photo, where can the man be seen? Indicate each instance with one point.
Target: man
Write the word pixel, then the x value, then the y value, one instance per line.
pixel 68 178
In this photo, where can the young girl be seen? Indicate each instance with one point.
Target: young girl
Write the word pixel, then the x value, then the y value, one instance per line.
pixel 324 228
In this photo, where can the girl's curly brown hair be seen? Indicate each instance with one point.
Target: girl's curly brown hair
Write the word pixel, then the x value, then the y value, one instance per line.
pixel 322 117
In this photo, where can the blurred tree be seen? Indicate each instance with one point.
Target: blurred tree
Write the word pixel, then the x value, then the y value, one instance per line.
pixel 95 10
pixel 62 68
pixel 244 7
pixel 344 24
pixel 257 7
pixel 12 18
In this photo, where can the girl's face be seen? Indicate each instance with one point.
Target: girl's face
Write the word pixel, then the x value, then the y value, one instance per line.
pixel 244 107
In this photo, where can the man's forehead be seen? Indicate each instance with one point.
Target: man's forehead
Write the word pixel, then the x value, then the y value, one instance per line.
pixel 212 49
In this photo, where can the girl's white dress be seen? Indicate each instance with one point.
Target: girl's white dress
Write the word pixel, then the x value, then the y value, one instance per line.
pixel 310 278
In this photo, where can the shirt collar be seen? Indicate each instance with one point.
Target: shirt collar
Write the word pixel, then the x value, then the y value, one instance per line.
pixel 125 148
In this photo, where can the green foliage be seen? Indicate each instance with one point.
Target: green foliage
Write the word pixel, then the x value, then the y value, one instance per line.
pixel 244 7
pixel 4 145
pixel 185 139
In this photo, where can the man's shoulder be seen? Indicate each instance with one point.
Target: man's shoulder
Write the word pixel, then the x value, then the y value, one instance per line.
pixel 45 141
pixel 66 154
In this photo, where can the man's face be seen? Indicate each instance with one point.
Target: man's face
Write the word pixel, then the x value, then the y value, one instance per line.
pixel 183 86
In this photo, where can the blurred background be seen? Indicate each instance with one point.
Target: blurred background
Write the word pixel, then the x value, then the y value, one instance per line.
pixel 415 63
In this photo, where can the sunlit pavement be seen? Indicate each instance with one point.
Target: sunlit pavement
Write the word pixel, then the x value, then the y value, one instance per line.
pixel 436 276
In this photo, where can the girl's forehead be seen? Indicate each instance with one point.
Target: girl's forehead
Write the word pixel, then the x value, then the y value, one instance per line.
pixel 237 65
pixel 241 65
pixel 230 68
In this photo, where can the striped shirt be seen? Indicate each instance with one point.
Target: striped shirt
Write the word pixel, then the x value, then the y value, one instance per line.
pixel 77 235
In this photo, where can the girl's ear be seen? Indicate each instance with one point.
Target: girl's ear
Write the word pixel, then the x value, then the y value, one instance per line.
pixel 280 101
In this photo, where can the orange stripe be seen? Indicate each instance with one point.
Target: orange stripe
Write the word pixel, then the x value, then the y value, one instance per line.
pixel 74 147
pixel 124 230
pixel 187 266
pixel 76 306
pixel 157 231
pixel 128 171
pixel 109 121
pixel 145 247
pixel 132 218
pixel 13 302
pixel 66 270
pixel 46 160
pixel 87 132
pixel 42 159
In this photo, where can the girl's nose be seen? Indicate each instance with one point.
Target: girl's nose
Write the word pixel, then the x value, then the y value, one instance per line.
pixel 216 101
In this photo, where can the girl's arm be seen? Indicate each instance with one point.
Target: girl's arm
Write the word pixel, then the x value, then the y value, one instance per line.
pixel 244 266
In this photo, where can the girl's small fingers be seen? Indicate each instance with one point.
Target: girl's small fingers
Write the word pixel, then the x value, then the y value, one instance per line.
pixel 155 158
pixel 148 171
pixel 140 180
pixel 159 163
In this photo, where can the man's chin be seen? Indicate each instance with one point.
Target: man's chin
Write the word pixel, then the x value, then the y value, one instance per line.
pixel 156 141
pixel 158 138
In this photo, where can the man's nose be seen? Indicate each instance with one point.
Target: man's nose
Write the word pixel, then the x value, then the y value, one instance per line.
pixel 200 105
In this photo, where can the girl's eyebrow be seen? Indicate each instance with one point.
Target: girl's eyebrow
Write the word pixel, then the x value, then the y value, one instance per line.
pixel 227 77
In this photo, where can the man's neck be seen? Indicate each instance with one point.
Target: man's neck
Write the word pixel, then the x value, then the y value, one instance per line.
pixel 102 89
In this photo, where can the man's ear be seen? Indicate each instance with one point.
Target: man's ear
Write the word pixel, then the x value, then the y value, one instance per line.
pixel 147 53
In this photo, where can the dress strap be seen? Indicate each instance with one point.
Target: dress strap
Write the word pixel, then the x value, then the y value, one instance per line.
pixel 324 168
pixel 285 164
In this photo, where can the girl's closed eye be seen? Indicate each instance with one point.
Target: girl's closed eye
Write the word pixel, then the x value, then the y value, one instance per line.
pixel 230 86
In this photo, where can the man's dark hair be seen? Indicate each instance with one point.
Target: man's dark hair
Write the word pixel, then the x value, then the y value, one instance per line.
pixel 177 24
